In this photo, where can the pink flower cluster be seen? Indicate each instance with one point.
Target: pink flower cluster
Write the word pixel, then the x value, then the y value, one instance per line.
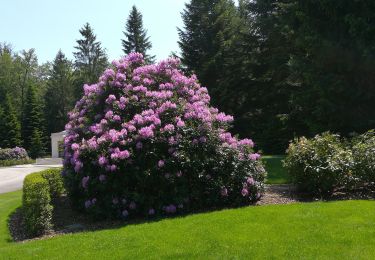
pixel 134 107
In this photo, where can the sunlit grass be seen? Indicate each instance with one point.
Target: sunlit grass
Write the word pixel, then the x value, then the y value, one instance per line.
pixel 276 173
pixel 322 230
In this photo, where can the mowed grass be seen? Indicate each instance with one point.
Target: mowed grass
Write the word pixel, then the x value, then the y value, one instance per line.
pixel 277 174
pixel 321 230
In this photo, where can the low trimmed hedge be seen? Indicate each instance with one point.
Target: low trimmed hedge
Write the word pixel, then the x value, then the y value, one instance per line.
pixel 55 181
pixel 5 163
pixel 38 191
pixel 328 163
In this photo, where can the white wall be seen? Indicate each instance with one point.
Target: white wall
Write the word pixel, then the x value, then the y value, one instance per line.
pixel 55 139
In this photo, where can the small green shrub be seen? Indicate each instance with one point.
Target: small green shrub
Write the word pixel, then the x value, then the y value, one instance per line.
pixel 320 165
pixel 36 200
pixel 55 181
pixel 6 163
pixel 363 148
pixel 38 190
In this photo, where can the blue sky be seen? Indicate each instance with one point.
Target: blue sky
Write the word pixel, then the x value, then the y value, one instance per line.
pixel 50 25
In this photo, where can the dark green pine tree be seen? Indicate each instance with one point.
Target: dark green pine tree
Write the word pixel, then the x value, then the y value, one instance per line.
pixel 32 121
pixel 207 42
pixel 90 59
pixel 196 37
pixel 36 144
pixel 59 96
pixel 10 130
pixel 2 130
pixel 264 53
pixel 136 39
pixel 332 64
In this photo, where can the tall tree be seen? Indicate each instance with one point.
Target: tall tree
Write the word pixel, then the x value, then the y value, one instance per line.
pixel 136 39
pixel 59 96
pixel 8 80
pixel 240 55
pixel 209 33
pixel 265 113
pixel 33 118
pixel 28 64
pixel 332 63
pixel 196 37
pixel 90 59
pixel 37 147
pixel 9 125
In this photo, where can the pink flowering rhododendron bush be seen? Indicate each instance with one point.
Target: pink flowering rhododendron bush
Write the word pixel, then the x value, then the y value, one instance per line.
pixel 145 141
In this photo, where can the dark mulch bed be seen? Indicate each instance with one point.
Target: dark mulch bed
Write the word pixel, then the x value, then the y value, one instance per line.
pixel 286 194
pixel 65 220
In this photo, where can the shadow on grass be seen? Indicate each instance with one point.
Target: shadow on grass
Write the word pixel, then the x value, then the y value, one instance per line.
pixel 67 221
pixel 15 226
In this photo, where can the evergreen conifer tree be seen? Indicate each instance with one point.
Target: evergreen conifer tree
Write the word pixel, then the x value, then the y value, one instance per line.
pixel 207 42
pixel 59 96
pixel 136 39
pixel 36 144
pixel 90 59
pixel 9 125
pixel 33 118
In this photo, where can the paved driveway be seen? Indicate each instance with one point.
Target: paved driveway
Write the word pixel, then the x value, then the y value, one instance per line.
pixel 11 178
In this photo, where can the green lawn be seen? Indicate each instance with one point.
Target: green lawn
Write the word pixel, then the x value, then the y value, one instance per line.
pixel 321 230
pixel 276 173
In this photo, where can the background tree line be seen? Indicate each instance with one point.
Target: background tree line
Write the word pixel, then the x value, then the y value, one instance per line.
pixel 283 68
pixel 35 99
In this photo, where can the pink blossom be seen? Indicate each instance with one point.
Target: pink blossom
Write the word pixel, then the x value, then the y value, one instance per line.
pixel 139 145
pixel 125 213
pixel 102 177
pixel 124 154
pixel 75 146
pixel 250 181
pixel 244 192
pixel 109 114
pixel 88 204
pixel 224 192
pixel 221 117
pixel 85 181
pixel 202 139
pixel 116 118
pixel 78 166
pixel 180 123
pixel 146 132
pixel 254 156
pixel 110 99
pixel 102 161
pixel 161 163
pixel 168 128
pixel 132 205
pixel 246 142
pixel 170 209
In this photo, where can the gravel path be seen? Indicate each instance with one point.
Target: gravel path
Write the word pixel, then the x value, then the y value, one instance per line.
pixel 278 194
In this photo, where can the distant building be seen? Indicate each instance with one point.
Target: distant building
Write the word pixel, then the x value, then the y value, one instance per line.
pixel 57 141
